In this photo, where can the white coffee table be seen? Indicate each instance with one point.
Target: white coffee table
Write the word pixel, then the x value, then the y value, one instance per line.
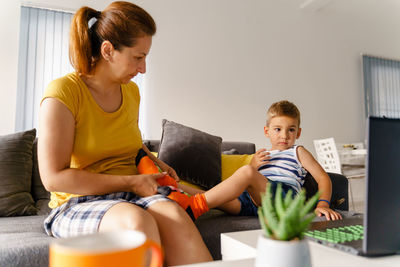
pixel 239 249
pixel 242 245
pixel 233 263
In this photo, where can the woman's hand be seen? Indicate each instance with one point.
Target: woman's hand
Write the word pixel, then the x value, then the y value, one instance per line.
pixel 145 185
pixel 330 214
pixel 168 169
pixel 260 158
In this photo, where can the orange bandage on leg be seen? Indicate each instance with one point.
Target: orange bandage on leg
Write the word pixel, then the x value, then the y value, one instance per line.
pixel 194 205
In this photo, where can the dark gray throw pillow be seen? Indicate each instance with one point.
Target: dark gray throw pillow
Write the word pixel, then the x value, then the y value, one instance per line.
pixel 195 155
pixel 16 174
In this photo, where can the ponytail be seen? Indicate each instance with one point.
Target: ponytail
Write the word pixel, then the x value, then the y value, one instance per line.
pixel 121 23
pixel 82 42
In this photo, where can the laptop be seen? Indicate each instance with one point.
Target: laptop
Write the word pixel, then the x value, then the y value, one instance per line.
pixel 377 232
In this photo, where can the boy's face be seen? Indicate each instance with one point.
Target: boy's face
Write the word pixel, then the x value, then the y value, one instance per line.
pixel 282 132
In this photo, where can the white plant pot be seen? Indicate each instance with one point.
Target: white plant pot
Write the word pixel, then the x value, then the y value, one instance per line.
pixel 276 253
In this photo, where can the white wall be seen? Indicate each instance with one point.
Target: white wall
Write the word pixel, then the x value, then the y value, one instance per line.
pixel 9 25
pixel 218 65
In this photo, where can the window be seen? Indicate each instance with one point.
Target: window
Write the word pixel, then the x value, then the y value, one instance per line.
pixel 43 57
pixel 382 87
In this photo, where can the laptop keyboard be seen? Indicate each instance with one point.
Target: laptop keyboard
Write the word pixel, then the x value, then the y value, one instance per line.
pixel 338 234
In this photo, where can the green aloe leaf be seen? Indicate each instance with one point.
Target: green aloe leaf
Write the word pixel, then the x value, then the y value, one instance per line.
pixel 269 211
pixel 288 198
pixel 303 226
pixel 285 218
pixel 280 210
pixel 264 226
pixel 309 205
pixel 294 207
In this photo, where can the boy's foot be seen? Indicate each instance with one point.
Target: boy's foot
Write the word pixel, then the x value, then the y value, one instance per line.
pixel 194 205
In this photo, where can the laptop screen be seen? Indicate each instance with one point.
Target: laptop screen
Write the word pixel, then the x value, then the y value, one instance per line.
pixel 382 212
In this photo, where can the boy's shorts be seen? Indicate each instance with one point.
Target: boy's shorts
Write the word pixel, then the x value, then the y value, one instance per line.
pixel 249 208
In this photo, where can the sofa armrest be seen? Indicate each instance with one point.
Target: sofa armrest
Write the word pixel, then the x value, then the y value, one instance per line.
pixel 340 195
pixel 240 147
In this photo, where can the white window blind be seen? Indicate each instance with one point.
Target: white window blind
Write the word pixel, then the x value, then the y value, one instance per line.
pixel 43 57
pixel 382 87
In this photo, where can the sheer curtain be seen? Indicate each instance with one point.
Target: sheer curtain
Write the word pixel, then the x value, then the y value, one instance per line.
pixel 43 56
pixel 382 87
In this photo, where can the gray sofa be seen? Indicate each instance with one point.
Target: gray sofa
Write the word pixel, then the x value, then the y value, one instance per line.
pixel 23 241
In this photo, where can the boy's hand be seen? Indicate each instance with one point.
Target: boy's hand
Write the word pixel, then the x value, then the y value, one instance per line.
pixel 260 158
pixel 328 212
pixel 169 170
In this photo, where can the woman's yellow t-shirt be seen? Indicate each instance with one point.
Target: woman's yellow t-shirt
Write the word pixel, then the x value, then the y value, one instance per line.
pixel 104 142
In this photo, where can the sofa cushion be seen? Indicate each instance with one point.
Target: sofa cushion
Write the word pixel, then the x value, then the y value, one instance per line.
pixel 23 241
pixel 230 163
pixel 16 174
pixel 195 155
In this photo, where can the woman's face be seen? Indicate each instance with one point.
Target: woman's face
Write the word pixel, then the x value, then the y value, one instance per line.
pixel 129 61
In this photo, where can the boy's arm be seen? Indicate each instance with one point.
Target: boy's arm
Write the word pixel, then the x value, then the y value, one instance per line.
pixel 323 181
pixel 163 166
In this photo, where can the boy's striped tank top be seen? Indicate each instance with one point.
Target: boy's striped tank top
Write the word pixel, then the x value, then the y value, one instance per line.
pixel 285 167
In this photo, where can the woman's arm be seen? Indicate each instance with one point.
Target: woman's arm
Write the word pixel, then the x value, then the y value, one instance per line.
pixel 55 144
pixel 323 180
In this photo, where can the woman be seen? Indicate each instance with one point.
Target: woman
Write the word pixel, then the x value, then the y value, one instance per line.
pixel 89 138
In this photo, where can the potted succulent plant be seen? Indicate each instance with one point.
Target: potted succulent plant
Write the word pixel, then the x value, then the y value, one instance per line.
pixel 284 221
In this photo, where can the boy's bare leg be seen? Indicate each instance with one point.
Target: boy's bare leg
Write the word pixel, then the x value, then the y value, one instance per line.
pixel 224 195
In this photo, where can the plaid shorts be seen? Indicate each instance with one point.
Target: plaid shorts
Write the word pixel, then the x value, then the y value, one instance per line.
pixel 82 215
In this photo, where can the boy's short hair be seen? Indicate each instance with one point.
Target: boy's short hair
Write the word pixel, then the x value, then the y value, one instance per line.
pixel 283 108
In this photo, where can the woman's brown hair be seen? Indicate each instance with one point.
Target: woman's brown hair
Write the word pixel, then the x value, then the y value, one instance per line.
pixel 121 23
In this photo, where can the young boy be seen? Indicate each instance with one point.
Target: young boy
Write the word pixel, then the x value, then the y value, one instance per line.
pixel 285 163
